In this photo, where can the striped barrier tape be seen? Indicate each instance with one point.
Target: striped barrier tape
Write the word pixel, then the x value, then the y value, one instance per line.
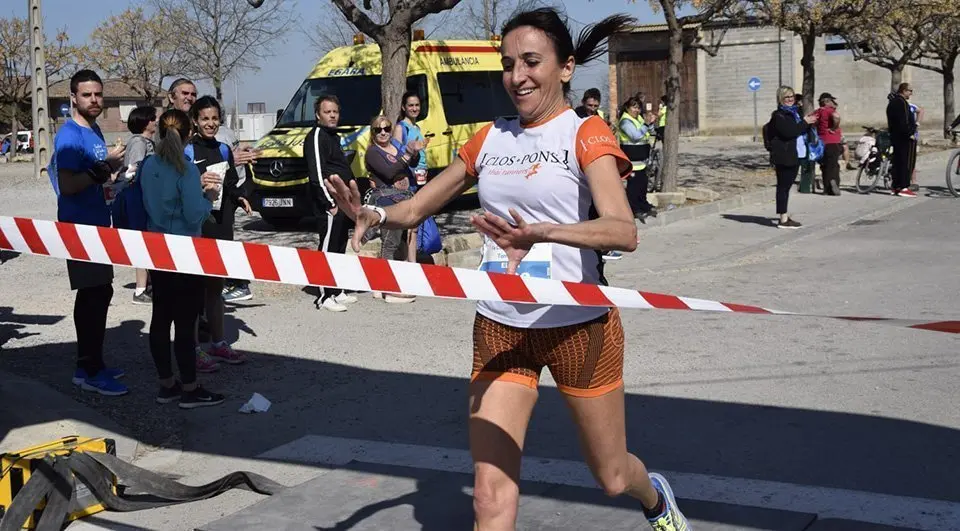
pixel 286 265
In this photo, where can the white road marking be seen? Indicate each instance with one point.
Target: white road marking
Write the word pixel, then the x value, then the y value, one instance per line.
pixel 886 509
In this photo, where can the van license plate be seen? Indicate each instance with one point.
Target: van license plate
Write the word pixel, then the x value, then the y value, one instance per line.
pixel 275 202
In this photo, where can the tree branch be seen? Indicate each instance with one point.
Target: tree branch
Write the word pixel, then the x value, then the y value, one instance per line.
pixel 360 19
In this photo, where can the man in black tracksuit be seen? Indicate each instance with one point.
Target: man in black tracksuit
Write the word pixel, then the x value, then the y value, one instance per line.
pixel 902 126
pixel 322 153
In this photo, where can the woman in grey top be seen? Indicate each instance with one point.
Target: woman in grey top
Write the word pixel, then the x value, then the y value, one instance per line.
pixel 142 122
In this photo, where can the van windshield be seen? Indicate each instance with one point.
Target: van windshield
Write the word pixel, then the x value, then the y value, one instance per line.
pixel 359 99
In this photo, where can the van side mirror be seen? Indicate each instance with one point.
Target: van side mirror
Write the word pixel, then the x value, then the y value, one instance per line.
pixel 279 114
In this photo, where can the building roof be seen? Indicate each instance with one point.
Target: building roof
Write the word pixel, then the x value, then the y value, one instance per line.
pixel 112 89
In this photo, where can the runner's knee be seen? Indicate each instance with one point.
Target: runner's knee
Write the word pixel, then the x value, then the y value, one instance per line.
pixel 494 492
pixel 613 479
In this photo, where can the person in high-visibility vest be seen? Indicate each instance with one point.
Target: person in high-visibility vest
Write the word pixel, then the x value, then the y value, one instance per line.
pixel 662 117
pixel 636 138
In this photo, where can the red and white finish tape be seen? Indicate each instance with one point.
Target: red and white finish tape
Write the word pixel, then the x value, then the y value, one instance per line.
pixel 269 263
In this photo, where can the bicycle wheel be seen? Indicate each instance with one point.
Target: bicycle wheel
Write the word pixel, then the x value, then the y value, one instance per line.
pixel 866 180
pixel 953 174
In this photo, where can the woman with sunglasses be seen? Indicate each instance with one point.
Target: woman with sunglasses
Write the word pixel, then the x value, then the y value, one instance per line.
pixel 788 146
pixel 389 163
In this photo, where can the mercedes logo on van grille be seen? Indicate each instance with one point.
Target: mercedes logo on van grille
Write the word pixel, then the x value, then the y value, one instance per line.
pixel 276 168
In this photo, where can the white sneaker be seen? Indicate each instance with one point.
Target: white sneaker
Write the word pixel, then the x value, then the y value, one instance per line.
pixel 346 298
pixel 332 305
pixel 398 299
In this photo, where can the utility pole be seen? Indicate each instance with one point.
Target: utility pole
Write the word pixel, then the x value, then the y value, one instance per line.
pixel 40 99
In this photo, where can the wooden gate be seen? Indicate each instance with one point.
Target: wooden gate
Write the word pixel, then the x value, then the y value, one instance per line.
pixel 647 72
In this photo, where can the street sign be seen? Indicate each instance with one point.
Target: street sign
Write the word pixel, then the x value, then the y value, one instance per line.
pixel 753 84
pixel 65 110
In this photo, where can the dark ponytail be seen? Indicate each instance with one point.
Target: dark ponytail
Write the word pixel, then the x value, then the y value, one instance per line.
pixel 591 42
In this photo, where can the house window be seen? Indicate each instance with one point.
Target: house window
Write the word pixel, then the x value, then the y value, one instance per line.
pixel 125 108
pixel 835 44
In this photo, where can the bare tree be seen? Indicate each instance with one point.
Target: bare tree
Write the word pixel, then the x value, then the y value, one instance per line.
pixel 810 19
pixel 485 17
pixel 138 49
pixel 333 29
pixel 15 69
pixel 891 33
pixel 226 37
pixel 394 38
pixel 679 40
pixel 941 49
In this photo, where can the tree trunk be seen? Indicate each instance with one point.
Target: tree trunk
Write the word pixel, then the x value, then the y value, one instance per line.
pixel 13 125
pixel 395 52
pixel 948 103
pixel 896 77
pixel 218 89
pixel 671 141
pixel 808 61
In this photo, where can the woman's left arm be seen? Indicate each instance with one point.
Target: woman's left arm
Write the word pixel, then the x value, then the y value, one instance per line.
pixel 614 228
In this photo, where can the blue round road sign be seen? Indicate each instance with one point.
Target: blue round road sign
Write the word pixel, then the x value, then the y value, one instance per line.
pixel 753 84
pixel 65 109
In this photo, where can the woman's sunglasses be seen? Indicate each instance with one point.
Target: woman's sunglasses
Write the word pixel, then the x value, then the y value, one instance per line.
pixel 385 129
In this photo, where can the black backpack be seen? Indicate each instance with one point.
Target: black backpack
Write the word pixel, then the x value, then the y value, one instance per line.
pixel 768 132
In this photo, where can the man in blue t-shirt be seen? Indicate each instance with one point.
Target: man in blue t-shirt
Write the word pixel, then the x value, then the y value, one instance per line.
pixel 80 167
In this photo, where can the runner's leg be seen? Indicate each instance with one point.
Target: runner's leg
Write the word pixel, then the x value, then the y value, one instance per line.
pixel 499 414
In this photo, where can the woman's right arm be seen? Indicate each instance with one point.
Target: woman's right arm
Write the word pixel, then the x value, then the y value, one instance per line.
pixel 196 203
pixel 451 183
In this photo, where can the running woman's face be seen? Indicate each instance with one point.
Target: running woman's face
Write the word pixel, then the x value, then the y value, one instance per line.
pixel 208 122
pixel 88 100
pixel 532 75
pixel 411 108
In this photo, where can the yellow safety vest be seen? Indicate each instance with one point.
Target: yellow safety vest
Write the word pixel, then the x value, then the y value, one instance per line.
pixel 602 114
pixel 663 116
pixel 624 139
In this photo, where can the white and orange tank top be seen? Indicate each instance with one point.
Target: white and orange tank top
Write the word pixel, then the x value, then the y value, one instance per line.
pixel 537 170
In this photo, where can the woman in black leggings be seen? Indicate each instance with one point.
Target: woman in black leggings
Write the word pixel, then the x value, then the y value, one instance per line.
pixel 177 201
pixel 787 138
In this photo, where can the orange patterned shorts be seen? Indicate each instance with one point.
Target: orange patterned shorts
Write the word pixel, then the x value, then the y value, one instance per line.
pixel 586 360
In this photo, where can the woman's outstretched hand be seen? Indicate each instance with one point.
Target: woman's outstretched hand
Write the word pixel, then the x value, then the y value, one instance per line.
pixel 515 240
pixel 348 201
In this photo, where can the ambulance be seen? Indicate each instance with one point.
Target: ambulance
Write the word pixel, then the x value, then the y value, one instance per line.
pixel 460 87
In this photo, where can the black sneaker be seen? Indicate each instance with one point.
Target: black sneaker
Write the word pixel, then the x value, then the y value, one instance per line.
pixel 143 298
pixel 200 397
pixel 789 224
pixel 169 394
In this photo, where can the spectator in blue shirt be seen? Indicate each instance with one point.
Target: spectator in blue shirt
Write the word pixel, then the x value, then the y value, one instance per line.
pixel 80 167
pixel 177 201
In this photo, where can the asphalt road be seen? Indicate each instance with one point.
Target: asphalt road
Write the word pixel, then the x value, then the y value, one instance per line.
pixel 799 400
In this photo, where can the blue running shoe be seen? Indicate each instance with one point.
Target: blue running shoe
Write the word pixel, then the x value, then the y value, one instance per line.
pixel 671 519
pixel 80 375
pixel 105 385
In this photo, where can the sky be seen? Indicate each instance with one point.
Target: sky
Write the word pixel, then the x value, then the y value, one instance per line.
pixel 281 75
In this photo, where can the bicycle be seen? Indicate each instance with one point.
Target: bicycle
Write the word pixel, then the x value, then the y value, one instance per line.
pixel 953 173
pixel 655 164
pixel 877 163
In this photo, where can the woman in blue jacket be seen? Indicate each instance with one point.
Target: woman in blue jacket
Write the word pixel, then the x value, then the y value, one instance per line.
pixel 177 202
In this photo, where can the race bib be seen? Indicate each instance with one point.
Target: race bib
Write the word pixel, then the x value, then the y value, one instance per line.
pixel 537 263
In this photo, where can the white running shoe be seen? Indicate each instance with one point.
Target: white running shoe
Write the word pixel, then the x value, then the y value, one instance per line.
pixel 332 305
pixel 346 298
